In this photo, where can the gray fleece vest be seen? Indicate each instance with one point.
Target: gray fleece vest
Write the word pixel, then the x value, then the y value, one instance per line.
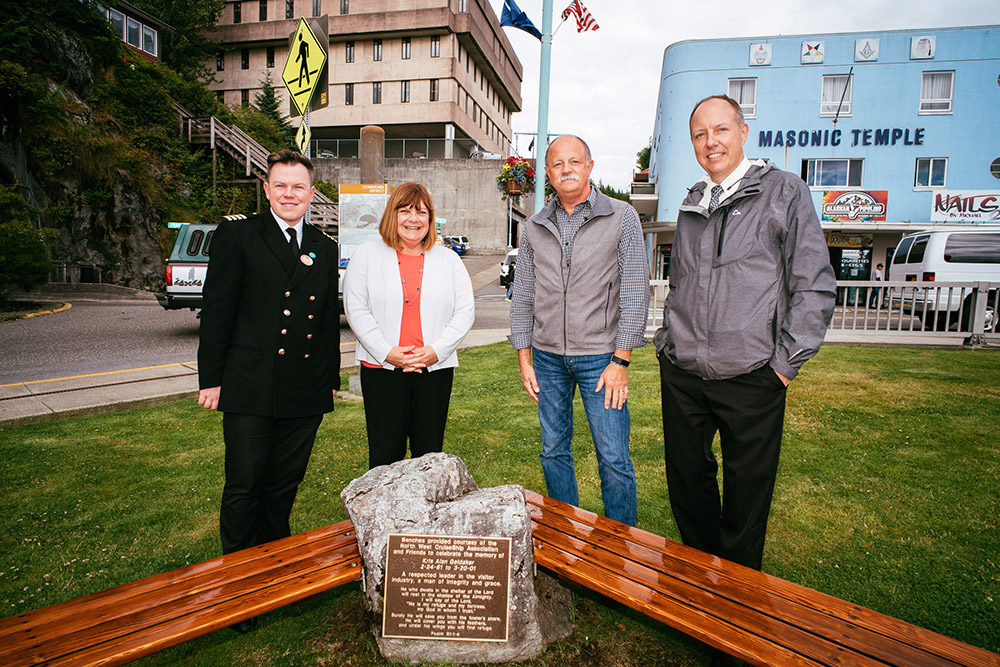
pixel 576 306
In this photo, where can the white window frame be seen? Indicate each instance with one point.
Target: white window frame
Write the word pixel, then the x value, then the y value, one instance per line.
pixel 129 23
pixel 749 108
pixel 117 20
pixel 928 104
pixel 829 107
pixel 151 33
pixel 930 173
pixel 826 186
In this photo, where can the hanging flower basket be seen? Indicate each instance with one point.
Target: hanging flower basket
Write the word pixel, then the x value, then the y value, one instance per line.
pixel 515 178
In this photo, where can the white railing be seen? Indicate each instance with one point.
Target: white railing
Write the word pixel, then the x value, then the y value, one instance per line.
pixel 956 309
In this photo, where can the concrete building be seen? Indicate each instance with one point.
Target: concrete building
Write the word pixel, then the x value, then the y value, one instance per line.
pixel 894 131
pixel 439 76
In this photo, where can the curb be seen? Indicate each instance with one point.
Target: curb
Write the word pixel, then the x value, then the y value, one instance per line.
pixel 58 309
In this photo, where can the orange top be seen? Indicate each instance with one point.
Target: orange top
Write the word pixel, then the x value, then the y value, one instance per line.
pixel 411 275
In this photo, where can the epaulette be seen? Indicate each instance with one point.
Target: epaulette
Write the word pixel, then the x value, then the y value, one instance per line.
pixel 235 216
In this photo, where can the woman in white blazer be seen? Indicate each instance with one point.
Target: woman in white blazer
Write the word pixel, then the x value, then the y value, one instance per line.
pixel 410 303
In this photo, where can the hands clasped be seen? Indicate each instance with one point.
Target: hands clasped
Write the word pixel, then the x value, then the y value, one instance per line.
pixel 412 359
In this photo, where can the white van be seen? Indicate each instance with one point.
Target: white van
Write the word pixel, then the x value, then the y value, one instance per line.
pixel 942 256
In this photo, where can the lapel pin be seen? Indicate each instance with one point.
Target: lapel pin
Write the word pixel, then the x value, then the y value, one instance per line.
pixel 306 259
pixel 313 255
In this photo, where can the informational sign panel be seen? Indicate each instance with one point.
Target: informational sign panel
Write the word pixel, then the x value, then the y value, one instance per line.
pixel 302 137
pixel 966 206
pixel 446 587
pixel 306 58
pixel 361 208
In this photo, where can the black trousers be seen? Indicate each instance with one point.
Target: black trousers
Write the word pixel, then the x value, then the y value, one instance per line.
pixel 266 459
pixel 402 405
pixel 748 411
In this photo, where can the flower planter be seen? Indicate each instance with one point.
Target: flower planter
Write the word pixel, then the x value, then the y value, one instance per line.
pixel 512 187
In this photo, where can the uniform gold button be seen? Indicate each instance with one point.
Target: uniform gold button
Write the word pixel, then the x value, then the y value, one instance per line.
pixel 288 294
pixel 311 316
pixel 281 350
pixel 309 336
pixel 306 357
pixel 284 331
pixel 287 312
pixel 312 298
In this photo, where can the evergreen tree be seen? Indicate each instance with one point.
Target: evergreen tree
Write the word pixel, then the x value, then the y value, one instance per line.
pixel 24 257
pixel 642 157
pixel 267 103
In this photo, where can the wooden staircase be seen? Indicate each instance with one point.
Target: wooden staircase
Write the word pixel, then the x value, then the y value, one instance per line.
pixel 244 149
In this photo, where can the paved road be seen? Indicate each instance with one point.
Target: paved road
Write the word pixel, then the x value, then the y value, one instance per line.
pixel 104 336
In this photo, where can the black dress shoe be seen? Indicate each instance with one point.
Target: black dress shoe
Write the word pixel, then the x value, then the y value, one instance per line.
pixel 246 626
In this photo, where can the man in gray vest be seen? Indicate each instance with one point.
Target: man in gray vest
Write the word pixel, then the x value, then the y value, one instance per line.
pixel 581 294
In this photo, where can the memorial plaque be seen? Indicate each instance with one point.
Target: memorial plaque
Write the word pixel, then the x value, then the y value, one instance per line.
pixel 446 587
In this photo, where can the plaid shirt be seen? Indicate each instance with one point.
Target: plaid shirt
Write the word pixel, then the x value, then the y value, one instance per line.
pixel 633 297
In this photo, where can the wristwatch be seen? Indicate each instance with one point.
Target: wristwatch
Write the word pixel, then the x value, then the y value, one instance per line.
pixel 619 361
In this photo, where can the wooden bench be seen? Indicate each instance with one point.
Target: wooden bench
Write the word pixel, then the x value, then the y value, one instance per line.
pixel 121 624
pixel 751 615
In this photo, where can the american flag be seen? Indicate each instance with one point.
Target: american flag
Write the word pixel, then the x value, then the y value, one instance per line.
pixel 584 21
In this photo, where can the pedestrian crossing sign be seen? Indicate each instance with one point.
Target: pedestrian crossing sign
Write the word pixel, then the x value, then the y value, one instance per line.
pixel 306 59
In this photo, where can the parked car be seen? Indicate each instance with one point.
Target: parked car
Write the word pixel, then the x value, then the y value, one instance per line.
pixel 505 267
pixel 186 267
pixel 463 241
pixel 942 256
pixel 455 244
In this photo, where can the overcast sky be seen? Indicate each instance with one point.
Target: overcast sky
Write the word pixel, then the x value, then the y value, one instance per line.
pixel 604 83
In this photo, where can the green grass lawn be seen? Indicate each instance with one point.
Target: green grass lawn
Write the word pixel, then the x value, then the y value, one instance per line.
pixel 888 495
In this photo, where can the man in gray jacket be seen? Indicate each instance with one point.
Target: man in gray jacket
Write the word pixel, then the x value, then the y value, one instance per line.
pixel 751 295
pixel 581 293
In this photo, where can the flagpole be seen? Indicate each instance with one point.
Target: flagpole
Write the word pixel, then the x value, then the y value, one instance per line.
pixel 558 27
pixel 543 104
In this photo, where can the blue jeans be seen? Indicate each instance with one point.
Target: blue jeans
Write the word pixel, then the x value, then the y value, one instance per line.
pixel 557 378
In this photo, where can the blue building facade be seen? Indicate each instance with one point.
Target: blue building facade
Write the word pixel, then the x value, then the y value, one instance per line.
pixel 893 131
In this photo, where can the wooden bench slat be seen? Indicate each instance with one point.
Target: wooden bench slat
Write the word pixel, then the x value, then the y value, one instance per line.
pixel 79 614
pixel 705 567
pixel 214 568
pixel 796 626
pixel 690 620
pixel 176 606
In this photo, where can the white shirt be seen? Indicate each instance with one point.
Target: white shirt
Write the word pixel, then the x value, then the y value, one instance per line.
pixel 730 183
pixel 284 226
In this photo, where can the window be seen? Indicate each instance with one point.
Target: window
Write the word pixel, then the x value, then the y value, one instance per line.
pixel 132 33
pixel 289 9
pixel 245 59
pixel 406 48
pixel 744 91
pixel 931 172
pixel 902 250
pixel 404 91
pixel 936 90
pixel 918 250
pixel 377 92
pixel 317 7
pixel 237 12
pixel 435 47
pixel 117 21
pixel 349 52
pixel 245 98
pixel 833 173
pixel 836 87
pixel 270 56
pixel 435 91
pixel 220 61
pixel 349 94
pixel 148 40
pixel 345 6
pixel 462 6
pixel 972 249
pixel 377 50
pixel 262 11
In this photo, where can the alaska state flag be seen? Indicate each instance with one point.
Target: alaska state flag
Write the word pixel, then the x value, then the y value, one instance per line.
pixel 515 18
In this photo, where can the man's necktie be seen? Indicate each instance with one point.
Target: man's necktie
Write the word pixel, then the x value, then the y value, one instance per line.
pixel 293 242
pixel 716 196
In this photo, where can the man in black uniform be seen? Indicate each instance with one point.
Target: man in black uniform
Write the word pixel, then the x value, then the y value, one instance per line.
pixel 269 354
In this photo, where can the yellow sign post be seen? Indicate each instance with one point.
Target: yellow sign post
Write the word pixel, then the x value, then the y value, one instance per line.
pixel 306 59
pixel 303 136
